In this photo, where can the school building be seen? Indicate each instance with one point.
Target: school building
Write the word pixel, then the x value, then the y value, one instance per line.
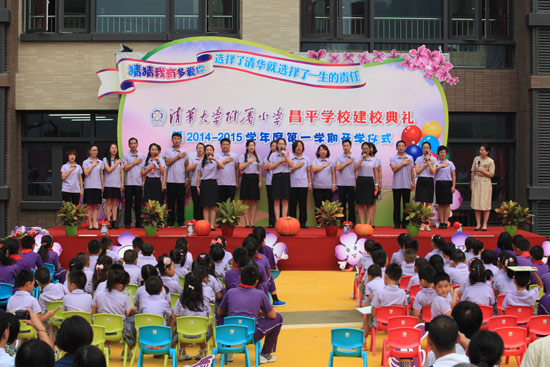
pixel 50 51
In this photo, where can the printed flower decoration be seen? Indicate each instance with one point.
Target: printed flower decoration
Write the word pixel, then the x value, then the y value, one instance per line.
pixel 409 63
pixel 428 73
pixel 333 58
pixel 317 55
pixel 452 81
pixel 393 54
pixel 363 58
pixel 350 249
pixel 280 250
pixel 441 73
pixel 417 53
pixel 348 57
pixel 378 56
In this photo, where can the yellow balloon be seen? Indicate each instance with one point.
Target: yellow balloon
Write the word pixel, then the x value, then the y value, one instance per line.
pixel 431 128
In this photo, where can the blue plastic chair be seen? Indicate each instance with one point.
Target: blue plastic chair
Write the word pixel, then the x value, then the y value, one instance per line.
pixel 347 342
pixel 156 339
pixel 6 291
pixel 51 268
pixel 36 292
pixel 230 339
pixel 250 323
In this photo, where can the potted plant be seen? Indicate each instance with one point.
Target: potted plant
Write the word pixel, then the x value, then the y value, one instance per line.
pixel 154 216
pixel 72 216
pixel 228 215
pixel 512 215
pixel 328 216
pixel 418 214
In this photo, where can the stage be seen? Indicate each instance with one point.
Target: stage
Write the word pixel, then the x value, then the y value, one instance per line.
pixel 311 249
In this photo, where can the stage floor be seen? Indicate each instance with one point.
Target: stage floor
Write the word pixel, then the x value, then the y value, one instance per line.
pixel 311 249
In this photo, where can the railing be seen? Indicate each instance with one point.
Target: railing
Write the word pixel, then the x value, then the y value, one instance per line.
pixel 37 22
pixel 130 23
pixel 407 28
pixel 221 22
pixel 322 25
pixel 465 27
pixel 184 22
pixel 353 25
pixel 74 22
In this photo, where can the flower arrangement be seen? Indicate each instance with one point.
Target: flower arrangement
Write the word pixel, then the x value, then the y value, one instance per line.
pixel 418 214
pixel 513 214
pixel 329 213
pixel 19 232
pixel 229 212
pixel 154 214
pixel 72 215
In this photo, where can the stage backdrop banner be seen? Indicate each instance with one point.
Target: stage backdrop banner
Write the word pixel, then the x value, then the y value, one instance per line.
pixel 209 88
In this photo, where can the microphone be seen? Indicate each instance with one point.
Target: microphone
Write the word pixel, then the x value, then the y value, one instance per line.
pixel 154 160
pixel 478 164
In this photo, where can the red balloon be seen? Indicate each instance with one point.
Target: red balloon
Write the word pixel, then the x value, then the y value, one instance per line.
pixel 411 135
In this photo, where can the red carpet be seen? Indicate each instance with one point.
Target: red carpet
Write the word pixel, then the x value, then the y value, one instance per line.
pixel 311 249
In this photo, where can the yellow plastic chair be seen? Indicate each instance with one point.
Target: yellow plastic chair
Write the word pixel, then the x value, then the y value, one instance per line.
pixel 85 315
pixel 192 325
pixel 145 319
pixel 212 323
pixel 99 341
pixel 113 324
pixel 174 298
pixel 57 318
pixel 132 288
pixel 26 331
pixel 182 282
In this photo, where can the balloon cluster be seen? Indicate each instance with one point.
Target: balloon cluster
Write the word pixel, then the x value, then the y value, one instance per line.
pixel 414 137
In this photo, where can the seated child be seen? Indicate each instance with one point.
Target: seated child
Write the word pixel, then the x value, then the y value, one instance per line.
pixel 179 257
pixel 49 256
pixel 112 299
pixel 408 264
pixel 30 260
pixel 459 269
pixel 399 256
pixel 380 258
pixel 447 252
pixel 130 266
pixel 137 246
pixel 8 267
pixel 443 302
pixel 442 339
pixel 473 248
pixel 522 247
pixel 232 278
pixel 504 284
pixel 266 250
pixel 437 243
pixel 217 255
pixel 478 291
pixel 366 260
pixel 391 294
pixel 537 255
pixel 181 244
pixel 207 290
pixel 375 283
pixel 94 249
pixel 426 295
pixel 228 257
pixel 252 243
pixel 147 257
pixel 107 249
pixel 155 302
pixel 489 261
pixel 205 261
pixel 49 291
pixel 523 296
pixel 419 263
pixel 77 299
pixel 85 260
pixel 101 272
pixel 167 272
pixel 23 299
pixel 148 271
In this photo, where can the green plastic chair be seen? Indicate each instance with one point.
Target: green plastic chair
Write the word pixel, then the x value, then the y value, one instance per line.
pixel 174 298
pixel 192 325
pixel 182 282
pixel 145 319
pixel 114 324
pixel 85 315
pixel 99 341
pixel 133 289
pixel 212 322
pixel 26 331
pixel 57 318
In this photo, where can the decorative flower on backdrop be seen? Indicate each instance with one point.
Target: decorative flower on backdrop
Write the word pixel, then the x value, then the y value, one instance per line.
pixel 378 56
pixel 333 58
pixel 350 249
pixel 348 57
pixel 393 54
pixel 363 58
pixel 409 63
pixel 280 250
pixel 317 55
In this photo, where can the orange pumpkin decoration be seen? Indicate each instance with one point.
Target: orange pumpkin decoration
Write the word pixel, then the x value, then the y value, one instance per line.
pixel 364 229
pixel 202 228
pixel 287 226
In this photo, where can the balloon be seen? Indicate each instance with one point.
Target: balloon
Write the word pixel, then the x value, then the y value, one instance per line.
pixel 411 134
pixel 433 142
pixel 414 151
pixel 546 247
pixel 431 128
pixel 457 200
pixel 459 240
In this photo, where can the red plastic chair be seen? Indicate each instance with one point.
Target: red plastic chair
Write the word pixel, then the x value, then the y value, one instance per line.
pixel 402 322
pixel 523 313
pixel 413 291
pixel 504 321
pixel 382 315
pixel 356 282
pixel 427 313
pixel 514 339
pixel 487 314
pixel 538 326
pixel 500 299
pixel 456 288
pixel 404 282
pixel 402 343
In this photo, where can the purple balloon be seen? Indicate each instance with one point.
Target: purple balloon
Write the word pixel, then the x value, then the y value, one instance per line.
pixel 546 247
pixel 459 240
pixel 457 200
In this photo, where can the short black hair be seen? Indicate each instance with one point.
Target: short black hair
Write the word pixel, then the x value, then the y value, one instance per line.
pixel 250 275
pixel 458 256
pixel 523 244
pixel 258 231
pixel 250 243
pixel 468 317
pixel 368 245
pixel 374 271
pixel 443 333
pixel 420 263
pixel 394 272
pixel 295 145
pixel 441 277
pixel 217 253
pixel 175 133
pixel 132 138
pixel 427 142
pixel 43 276
pixel 137 243
pixel 442 147
pixel 78 278
pixel 400 141
pixel 94 247
pixel 147 249
pixel 240 257
pixel 346 141
pixel 486 146
pixel 153 285
pixel 89 356
pixel 537 252
pixel 225 140
pixel 35 353
pixel 401 239
pixel 27 242
pixel 438 241
pixel 83 257
pixel 522 278
pixel 488 257
pixel 73 333
pixel 410 255
pixel 117 276
pixel 23 277
pixel 411 243
pixel 380 257
pixel 130 256
pixel 318 155
pixel 8 321
pixel 427 273
pixel 448 250
pixel 485 348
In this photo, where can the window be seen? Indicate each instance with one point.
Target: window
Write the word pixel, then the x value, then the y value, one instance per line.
pixel 480 19
pixel 130 16
pixel 407 19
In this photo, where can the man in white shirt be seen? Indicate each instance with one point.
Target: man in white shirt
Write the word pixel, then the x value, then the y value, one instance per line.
pixel 538 353
pixel 442 339
pixel 6 320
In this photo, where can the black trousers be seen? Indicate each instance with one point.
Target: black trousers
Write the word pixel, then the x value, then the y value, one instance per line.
pixel 175 195
pixel 132 197
pixel 197 207
pixel 73 197
pixel 400 195
pixel 346 195
pixel 320 195
pixel 298 196
pixel 270 205
pixel 226 192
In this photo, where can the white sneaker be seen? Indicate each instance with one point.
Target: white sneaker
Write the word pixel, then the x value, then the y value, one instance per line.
pixel 421 227
pixel 200 355
pixel 185 357
pixel 229 357
pixel 268 358
pixel 428 228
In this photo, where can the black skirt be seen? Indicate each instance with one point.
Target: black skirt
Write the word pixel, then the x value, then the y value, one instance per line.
pixel 152 190
pixel 425 190
pixel 209 193
pixel 92 196
pixel 280 186
pixel 443 193
pixel 364 190
pixel 249 187
pixel 112 193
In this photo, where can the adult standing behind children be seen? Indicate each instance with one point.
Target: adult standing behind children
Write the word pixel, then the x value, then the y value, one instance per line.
pixel 133 162
pixel 175 158
pixel 229 171
pixel 402 166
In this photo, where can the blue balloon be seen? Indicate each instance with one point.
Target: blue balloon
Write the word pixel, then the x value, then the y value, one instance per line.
pixel 433 142
pixel 414 151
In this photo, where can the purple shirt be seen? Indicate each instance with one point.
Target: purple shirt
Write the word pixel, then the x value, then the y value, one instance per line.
pixel 112 179
pixel 323 178
pixel 245 302
pixel 179 310
pixel 147 260
pixel 252 168
pixel 227 176
pixel 524 261
pixel 493 268
pixel 176 171
pixel 435 251
pixel 22 300
pixel 158 162
pixel 424 298
pixel 71 183
pixel 192 159
pixel 397 257
pixel 51 292
pixel 281 168
pixel 232 278
pixel 346 177
pixel 115 302
pixel 521 298
pixel 408 268
pixel 209 171
pixel 444 174
pixel 402 178
pixel 263 266
pixel 366 169
pixel 93 180
pixel 480 293
pixel 414 281
pixel 546 282
pixel 440 305
pixel 426 171
pixel 8 273
pixel 374 286
pixel 504 285
pixel 133 175
pixel 172 283
pixel 390 295
pixel 298 178
pixel 135 273
pixel 365 261
pixel 77 300
pixel 30 260
pixel 221 268
pixel 155 304
pixel 141 294
pixel 268 252
pixel 459 273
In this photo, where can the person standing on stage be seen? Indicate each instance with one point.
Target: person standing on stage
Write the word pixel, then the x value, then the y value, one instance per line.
pixel 425 170
pixel 207 185
pixel 445 183
pixel 114 184
pixel 93 185
pixel 193 163
pixel 227 177
pixel 324 176
pixel 250 164
pixel 483 170
pixel 345 179
pixel 280 164
pixel 133 162
pixel 268 179
pixel 378 190
pixel 175 158
pixel 300 182
pixel 403 182
pixel 154 171
pixel 71 175
pixel 366 184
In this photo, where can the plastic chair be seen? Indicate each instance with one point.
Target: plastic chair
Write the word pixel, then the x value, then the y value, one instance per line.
pixel 523 313
pixel 250 323
pixel 497 322
pixel 404 282
pixel 182 281
pixel 500 299
pixel 26 331
pixel 57 318
pixel 356 282
pixel 51 268
pixel 144 319
pixel 382 316
pixel 113 324
pixel 487 312
pixel 36 292
pixel 6 291
pixel 415 288
pixel 174 298
pixel 133 289
pixel 85 315
pixel 402 322
pixel 514 339
pixel 156 339
pixel 191 326
pixel 230 339
pixel 426 313
pixel 347 342
pixel 99 341
pixel 402 343
pixel 538 327
pixel 212 322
